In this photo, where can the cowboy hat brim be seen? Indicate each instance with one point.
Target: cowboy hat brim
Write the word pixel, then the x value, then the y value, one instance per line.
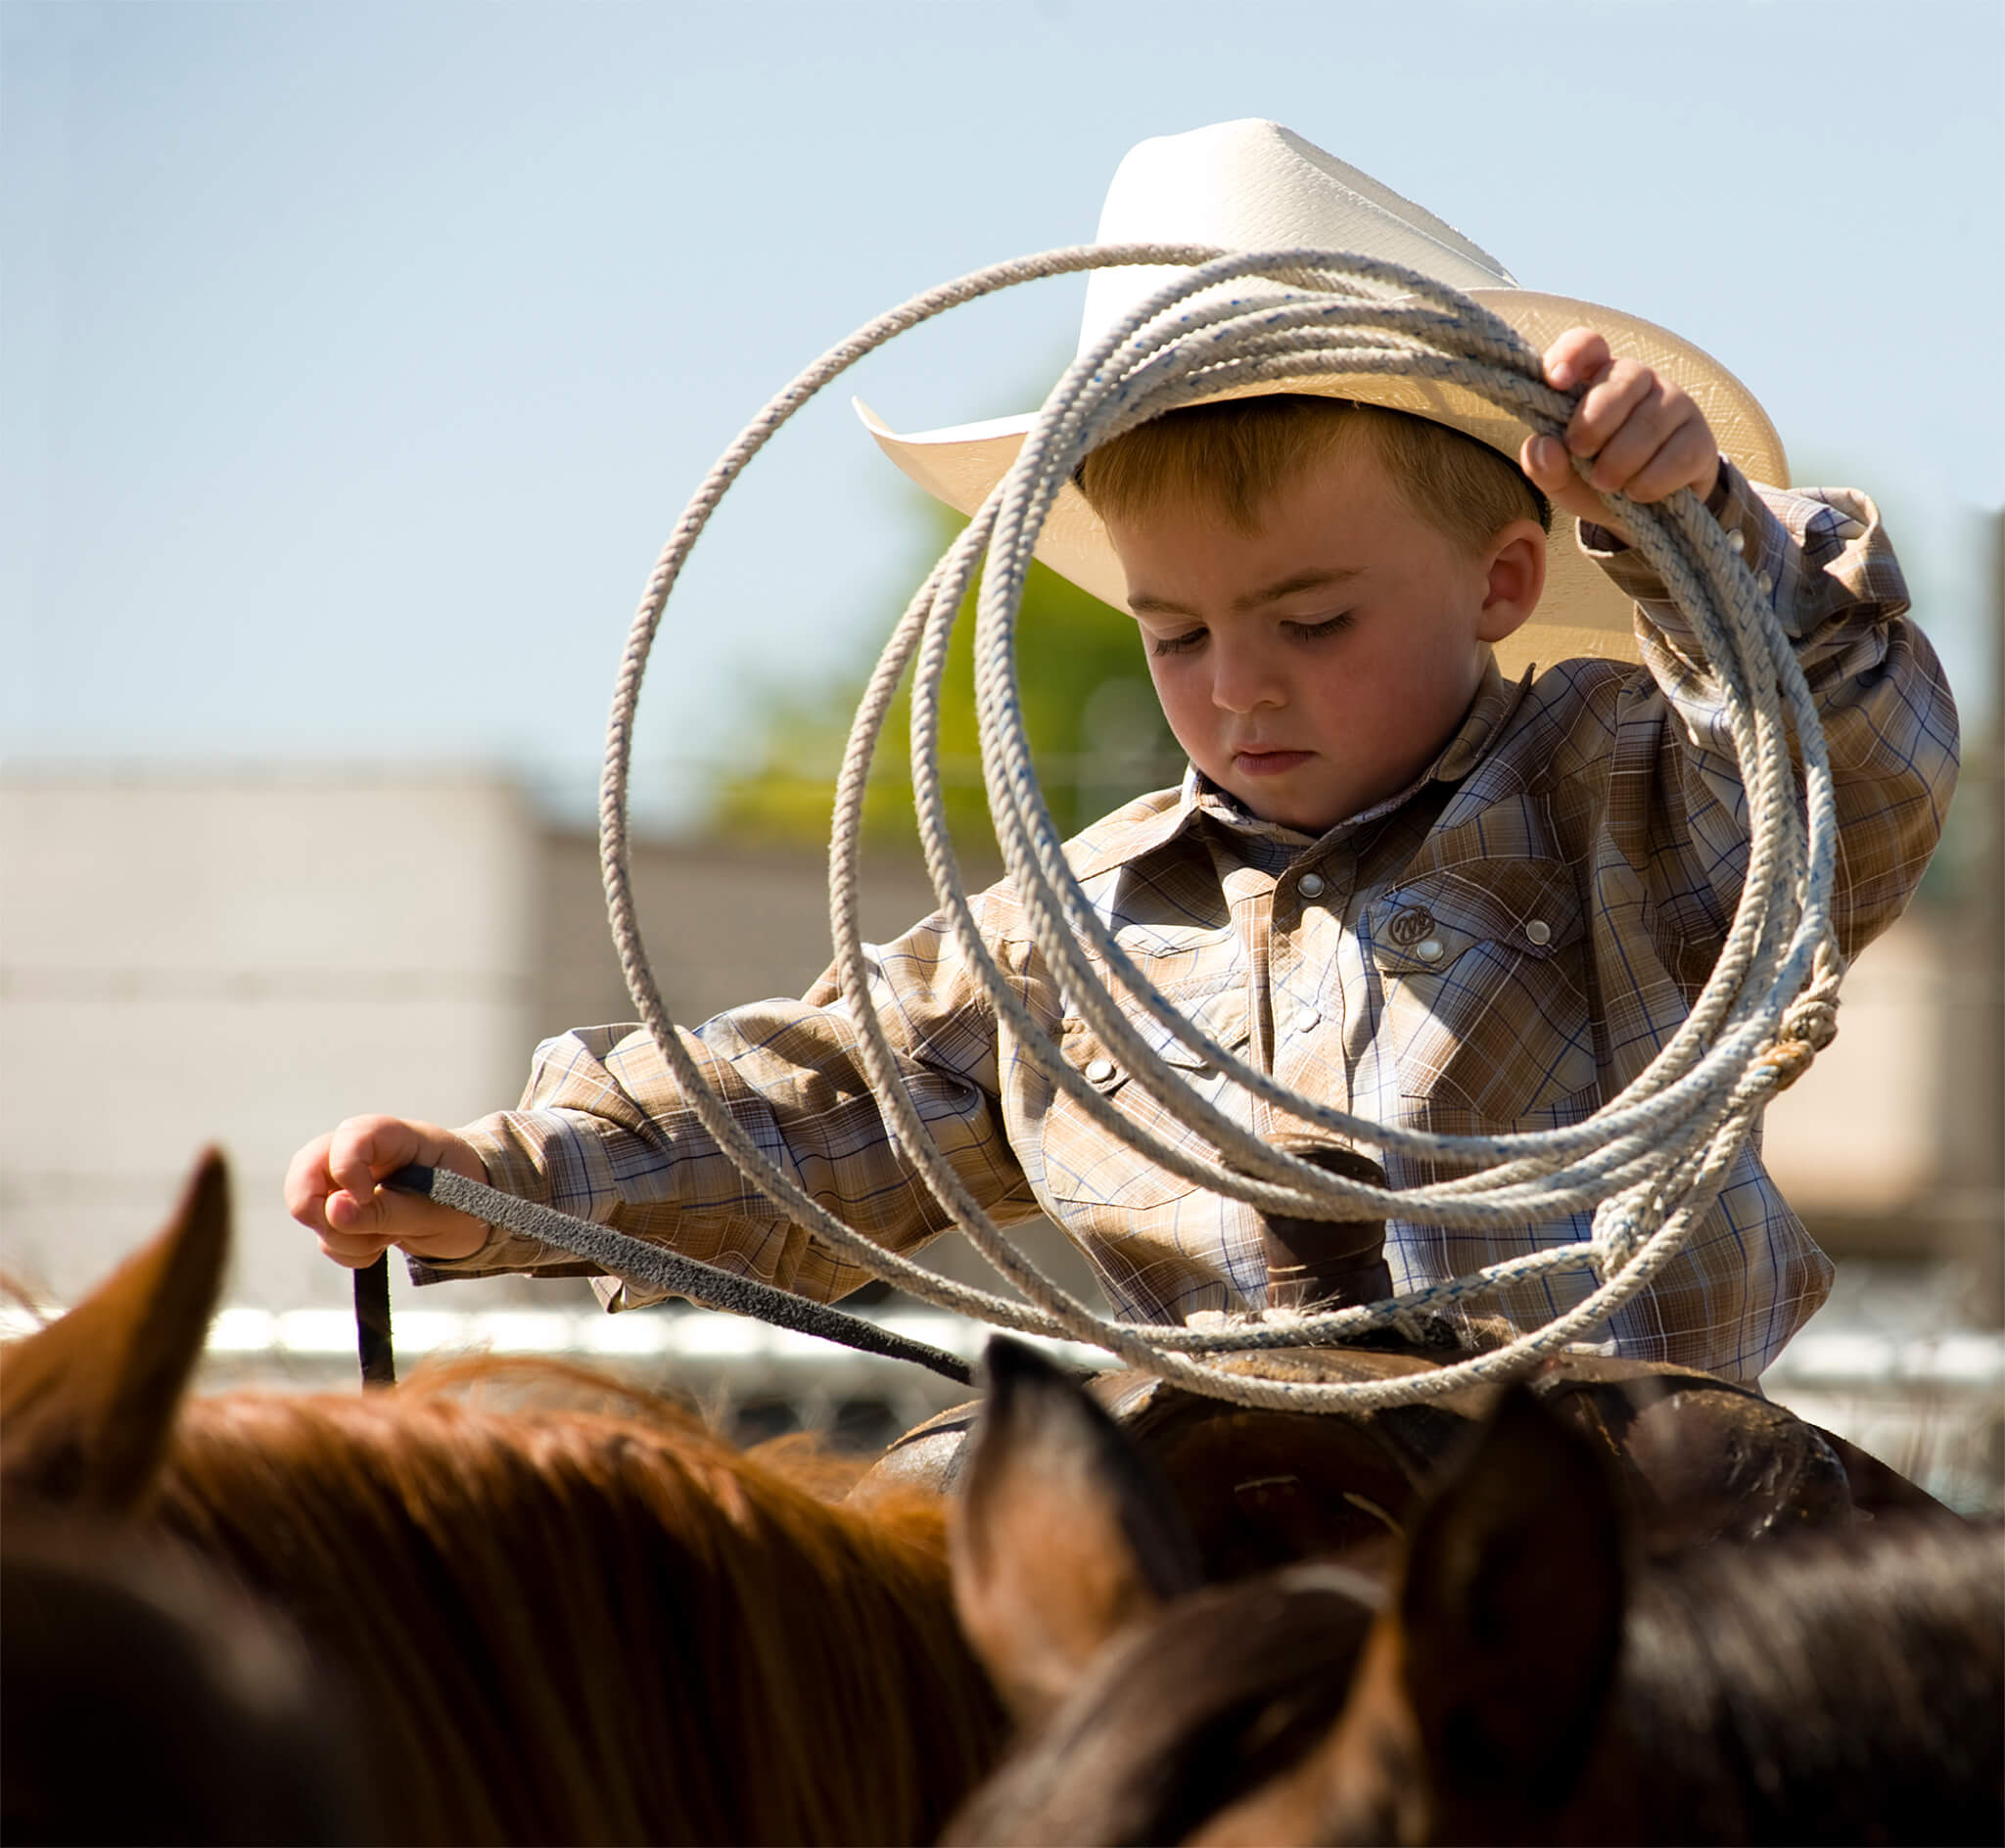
pixel 1581 612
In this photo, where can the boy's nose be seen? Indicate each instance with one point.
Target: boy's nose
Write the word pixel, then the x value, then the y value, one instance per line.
pixel 1243 681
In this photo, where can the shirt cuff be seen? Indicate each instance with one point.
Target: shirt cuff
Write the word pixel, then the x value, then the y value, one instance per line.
pixel 1767 528
pixel 520 1150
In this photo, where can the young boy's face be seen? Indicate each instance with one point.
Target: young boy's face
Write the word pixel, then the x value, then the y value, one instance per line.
pixel 1317 666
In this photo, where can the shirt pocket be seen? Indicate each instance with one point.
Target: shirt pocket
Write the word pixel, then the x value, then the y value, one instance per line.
pixel 1088 1164
pixel 1483 972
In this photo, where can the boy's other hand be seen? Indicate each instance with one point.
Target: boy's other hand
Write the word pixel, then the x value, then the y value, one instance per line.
pixel 331 1189
pixel 1647 439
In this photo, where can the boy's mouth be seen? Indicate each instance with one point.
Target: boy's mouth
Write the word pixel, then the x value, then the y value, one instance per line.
pixel 1269 762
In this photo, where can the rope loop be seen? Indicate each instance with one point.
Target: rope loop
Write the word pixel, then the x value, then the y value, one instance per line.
pixel 1647 1163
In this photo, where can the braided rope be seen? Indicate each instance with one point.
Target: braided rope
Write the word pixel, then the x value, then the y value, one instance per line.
pixel 1648 1164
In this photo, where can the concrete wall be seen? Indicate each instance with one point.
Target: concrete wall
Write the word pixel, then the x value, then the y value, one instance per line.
pixel 721 925
pixel 244 961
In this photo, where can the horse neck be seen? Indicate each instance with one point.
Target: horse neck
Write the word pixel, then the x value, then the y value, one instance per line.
pixel 1820 1688
pixel 569 1627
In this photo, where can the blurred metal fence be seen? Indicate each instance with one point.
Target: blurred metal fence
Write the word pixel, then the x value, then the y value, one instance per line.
pixel 1931 1406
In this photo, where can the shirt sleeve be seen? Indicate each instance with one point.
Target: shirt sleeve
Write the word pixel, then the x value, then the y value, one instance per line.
pixel 604 1132
pixel 1823 558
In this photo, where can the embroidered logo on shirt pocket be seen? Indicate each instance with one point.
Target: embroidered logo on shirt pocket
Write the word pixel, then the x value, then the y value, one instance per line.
pixel 1485 998
pixel 1086 1163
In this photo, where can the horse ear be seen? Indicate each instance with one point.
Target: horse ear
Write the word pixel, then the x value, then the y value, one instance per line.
pixel 1064 1534
pixel 1512 1612
pixel 88 1402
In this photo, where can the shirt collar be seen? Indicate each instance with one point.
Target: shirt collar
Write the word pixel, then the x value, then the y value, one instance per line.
pixel 1156 820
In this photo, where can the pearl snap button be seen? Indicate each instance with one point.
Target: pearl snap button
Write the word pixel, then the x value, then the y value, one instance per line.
pixel 1539 930
pixel 1101 1070
pixel 1428 949
pixel 1766 582
pixel 1310 885
pixel 1307 1019
pixel 1737 541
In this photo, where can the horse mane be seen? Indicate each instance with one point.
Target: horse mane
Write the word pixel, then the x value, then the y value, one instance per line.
pixel 472 1556
pixel 1841 1686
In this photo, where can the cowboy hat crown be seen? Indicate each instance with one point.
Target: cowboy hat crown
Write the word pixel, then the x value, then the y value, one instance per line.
pixel 1255 185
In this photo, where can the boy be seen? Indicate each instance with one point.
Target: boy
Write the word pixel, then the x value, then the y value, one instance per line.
pixel 1396 878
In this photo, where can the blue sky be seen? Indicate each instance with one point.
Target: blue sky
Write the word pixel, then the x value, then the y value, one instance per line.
pixel 357 358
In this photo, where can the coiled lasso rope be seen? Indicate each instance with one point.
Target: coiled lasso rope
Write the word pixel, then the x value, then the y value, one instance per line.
pixel 1648 1164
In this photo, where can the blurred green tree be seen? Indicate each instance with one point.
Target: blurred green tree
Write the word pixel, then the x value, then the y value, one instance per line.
pixel 1096 734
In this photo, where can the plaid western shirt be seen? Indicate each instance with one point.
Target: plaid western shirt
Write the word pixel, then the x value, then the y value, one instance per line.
pixel 1505 945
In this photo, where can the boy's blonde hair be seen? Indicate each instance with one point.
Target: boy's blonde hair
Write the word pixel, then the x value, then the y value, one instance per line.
pixel 1236 454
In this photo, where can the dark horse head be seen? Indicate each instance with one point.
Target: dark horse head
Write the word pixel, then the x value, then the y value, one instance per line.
pixel 1526 1675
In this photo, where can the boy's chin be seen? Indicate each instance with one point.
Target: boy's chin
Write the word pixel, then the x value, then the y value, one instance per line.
pixel 1303 817
pixel 1309 810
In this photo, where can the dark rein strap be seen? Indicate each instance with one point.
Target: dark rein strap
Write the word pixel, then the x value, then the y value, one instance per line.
pixel 622 1256
pixel 373 1345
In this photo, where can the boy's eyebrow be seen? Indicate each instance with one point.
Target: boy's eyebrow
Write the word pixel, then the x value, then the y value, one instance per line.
pixel 1319 579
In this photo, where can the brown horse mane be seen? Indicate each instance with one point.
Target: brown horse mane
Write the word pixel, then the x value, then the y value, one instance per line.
pixel 1841 1686
pixel 477 1548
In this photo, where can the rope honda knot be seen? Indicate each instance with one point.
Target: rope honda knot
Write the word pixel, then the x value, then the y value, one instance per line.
pixel 1808 1026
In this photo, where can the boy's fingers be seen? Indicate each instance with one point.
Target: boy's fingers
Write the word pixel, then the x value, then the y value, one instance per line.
pixel 308 1182
pixel 1576 357
pixel 1641 435
pixel 357 1230
pixel 1609 405
pixel 366 1148
pixel 358 1213
pixel 1544 459
pixel 332 1188
pixel 1688 458
pixel 354 1252
pixel 1663 444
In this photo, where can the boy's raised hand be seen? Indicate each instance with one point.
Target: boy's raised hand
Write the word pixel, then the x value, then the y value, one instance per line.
pixel 331 1189
pixel 1646 436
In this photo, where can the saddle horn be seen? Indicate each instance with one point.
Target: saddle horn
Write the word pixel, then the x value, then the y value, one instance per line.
pixel 1328 1263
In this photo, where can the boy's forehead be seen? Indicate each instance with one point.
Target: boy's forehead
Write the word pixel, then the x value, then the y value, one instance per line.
pixel 1323 515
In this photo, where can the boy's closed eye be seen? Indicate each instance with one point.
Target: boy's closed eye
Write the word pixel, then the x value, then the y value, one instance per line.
pixel 1306 630
pixel 1176 644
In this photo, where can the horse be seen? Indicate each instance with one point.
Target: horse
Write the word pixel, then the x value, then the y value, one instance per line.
pixel 1528 1674
pixel 549 1607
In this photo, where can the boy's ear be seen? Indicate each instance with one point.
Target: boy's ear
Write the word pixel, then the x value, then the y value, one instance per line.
pixel 87 1405
pixel 1512 1612
pixel 1516 580
pixel 1063 1536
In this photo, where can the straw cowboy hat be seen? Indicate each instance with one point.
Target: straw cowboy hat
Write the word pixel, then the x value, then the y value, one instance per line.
pixel 1253 185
